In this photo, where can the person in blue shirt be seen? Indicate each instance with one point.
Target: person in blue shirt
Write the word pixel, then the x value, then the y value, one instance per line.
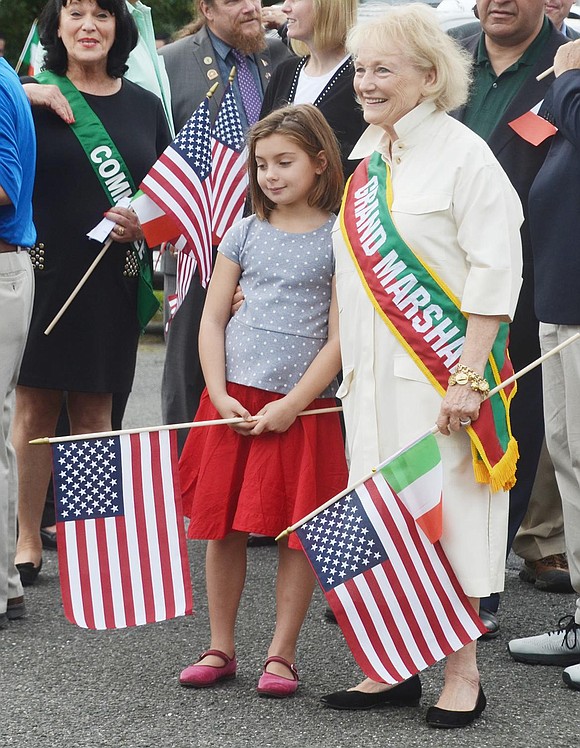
pixel 17 233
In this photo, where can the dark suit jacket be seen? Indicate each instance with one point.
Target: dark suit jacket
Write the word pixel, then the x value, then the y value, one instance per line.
pixel 572 33
pixel 192 69
pixel 554 208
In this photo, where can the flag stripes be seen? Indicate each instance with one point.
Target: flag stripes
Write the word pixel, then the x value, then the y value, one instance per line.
pixel 229 189
pixel 129 569
pixel 405 612
pixel 178 190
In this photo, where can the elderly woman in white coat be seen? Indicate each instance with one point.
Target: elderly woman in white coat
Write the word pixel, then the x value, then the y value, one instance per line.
pixel 450 205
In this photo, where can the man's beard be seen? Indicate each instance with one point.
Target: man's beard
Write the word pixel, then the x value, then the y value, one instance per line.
pixel 249 44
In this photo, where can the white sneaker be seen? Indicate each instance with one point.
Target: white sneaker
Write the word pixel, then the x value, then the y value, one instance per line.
pixel 560 647
pixel 571 677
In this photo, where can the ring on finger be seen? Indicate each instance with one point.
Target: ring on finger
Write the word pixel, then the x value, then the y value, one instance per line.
pixel 120 230
pixel 464 421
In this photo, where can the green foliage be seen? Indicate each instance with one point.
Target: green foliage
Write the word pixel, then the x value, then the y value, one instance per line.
pixel 170 15
pixel 16 17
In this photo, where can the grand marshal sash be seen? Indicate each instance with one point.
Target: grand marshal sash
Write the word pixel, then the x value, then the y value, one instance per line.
pixel 424 315
pixel 112 174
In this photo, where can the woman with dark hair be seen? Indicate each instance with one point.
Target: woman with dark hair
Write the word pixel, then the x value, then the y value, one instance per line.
pixel 98 135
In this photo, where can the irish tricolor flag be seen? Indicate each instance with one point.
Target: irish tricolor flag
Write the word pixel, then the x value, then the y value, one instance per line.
pixel 32 55
pixel 416 477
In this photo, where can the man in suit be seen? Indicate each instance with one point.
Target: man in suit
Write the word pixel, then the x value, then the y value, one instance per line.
pixel 553 215
pixel 193 63
pixel 517 43
pixel 558 11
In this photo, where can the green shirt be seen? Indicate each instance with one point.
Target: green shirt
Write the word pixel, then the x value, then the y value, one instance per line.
pixel 491 94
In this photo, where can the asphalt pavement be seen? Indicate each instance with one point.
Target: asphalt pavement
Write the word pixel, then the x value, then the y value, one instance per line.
pixel 66 687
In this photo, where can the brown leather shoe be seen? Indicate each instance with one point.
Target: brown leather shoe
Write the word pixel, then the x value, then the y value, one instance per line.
pixel 549 574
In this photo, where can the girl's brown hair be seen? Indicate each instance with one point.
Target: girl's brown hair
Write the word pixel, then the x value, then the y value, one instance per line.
pixel 307 127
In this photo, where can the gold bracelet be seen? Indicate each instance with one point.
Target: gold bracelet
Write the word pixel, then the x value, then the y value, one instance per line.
pixel 464 375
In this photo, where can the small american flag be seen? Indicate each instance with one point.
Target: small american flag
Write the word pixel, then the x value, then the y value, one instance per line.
pixel 179 182
pixel 229 174
pixel 393 592
pixel 121 540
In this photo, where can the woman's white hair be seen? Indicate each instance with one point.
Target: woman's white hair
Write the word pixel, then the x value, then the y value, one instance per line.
pixel 415 33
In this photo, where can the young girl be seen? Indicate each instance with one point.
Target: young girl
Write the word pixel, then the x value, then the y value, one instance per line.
pixel 278 355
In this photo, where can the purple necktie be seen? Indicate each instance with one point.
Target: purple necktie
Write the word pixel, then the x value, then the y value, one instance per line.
pixel 251 98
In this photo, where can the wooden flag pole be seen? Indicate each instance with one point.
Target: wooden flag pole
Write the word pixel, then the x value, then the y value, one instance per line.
pixel 78 287
pixel 545 74
pixel 170 427
pixel 98 258
pixel 432 430
pixel 26 44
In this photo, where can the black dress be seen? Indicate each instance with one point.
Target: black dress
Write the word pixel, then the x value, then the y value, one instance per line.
pixel 93 347
pixel 336 101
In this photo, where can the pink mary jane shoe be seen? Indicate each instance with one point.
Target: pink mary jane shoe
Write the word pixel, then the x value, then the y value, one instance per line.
pixel 202 676
pixel 276 686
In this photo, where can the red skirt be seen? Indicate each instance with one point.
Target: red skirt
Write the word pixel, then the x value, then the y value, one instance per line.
pixel 263 483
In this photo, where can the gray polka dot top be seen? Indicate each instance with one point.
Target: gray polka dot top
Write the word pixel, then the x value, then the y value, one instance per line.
pixel 283 322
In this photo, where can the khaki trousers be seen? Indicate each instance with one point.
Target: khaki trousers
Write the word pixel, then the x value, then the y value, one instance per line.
pixel 541 533
pixel 16 296
pixel 561 375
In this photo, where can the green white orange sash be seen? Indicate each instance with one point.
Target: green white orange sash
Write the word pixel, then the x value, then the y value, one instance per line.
pixel 112 174
pixel 424 315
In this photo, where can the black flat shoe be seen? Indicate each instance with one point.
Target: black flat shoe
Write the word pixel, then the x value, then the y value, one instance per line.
pixel 446 718
pixel 407 693
pixel 48 540
pixel 29 572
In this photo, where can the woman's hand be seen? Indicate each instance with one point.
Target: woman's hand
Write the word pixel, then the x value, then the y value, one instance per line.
pixel 275 417
pixel 127 227
pixel 461 403
pixel 273 18
pixel 49 97
pixel 229 407
pixel 238 299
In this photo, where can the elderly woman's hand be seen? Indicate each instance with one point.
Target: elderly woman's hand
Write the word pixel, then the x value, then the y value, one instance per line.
pixel 49 97
pixel 567 58
pixel 461 403
pixel 127 227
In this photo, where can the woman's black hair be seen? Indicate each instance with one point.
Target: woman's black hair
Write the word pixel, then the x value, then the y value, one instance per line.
pixel 56 58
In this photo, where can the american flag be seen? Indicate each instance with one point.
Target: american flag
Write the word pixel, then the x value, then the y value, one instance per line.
pixel 121 540
pixel 179 182
pixel 186 265
pixel 229 175
pixel 393 592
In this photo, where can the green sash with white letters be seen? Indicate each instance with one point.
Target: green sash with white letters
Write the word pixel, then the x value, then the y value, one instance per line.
pixel 112 174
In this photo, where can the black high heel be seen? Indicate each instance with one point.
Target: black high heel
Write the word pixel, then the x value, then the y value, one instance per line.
pixel 437 717
pixel 29 572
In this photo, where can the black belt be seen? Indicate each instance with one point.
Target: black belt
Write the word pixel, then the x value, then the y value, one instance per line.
pixel 4 247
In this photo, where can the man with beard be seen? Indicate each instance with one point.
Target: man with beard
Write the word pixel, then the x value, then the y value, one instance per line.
pixel 227 33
